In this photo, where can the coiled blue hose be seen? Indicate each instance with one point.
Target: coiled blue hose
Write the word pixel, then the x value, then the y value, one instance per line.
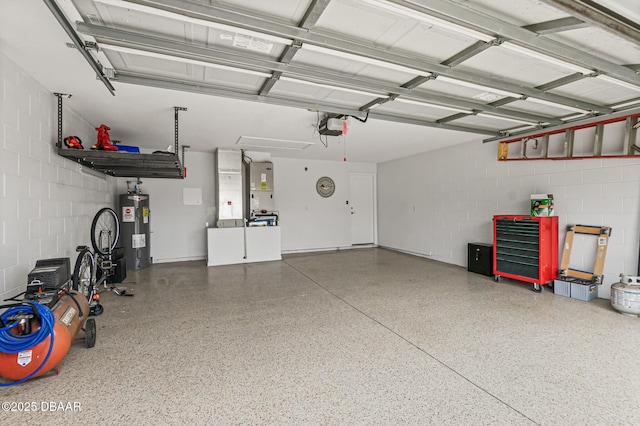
pixel 12 343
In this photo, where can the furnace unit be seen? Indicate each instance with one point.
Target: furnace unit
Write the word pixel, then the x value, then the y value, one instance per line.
pixel 260 189
pixel 229 193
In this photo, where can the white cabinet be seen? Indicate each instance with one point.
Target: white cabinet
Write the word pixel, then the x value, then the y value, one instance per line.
pixel 226 246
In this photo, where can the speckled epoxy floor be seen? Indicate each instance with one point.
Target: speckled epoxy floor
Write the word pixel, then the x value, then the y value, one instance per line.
pixel 367 336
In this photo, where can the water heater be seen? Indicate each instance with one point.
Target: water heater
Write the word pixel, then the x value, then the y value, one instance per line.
pixel 135 230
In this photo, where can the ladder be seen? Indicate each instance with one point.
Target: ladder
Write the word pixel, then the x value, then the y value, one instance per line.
pixel 541 142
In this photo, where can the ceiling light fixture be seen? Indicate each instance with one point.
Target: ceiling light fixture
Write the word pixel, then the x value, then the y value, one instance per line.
pixel 139 52
pixel 370 61
pixel 478 87
pixel 329 86
pixel 428 104
pixel 618 82
pixel 258 142
pixel 447 25
pixel 498 117
pixel 191 20
pixel 546 58
pixel 556 105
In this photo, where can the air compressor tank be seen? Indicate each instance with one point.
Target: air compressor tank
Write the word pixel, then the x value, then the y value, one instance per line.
pixel 135 219
pixel 70 313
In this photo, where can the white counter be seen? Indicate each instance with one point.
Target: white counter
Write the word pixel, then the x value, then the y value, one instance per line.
pixel 225 246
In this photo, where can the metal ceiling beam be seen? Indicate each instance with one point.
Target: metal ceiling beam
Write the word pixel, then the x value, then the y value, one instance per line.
pixel 546 86
pixel 506 30
pixel 599 15
pixel 62 20
pixel 313 13
pixel 285 58
pixel 434 124
pixel 216 13
pixel 374 103
pixel 480 46
pixel 314 74
pixel 225 92
pixel 454 117
pixel 561 81
pixel 311 16
pixel 208 89
pixel 415 82
pixel 269 83
pixel 587 122
pixel 503 101
pixel 467 53
pixel 556 25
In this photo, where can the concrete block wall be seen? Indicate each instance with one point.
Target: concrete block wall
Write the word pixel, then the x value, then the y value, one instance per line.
pixel 435 203
pixel 47 202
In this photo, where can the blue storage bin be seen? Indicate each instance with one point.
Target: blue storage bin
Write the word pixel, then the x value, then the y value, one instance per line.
pixel 128 148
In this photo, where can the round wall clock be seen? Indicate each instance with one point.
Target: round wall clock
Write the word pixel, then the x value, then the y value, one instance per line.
pixel 325 187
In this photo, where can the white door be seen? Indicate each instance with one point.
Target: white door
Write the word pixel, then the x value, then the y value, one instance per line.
pixel 362 207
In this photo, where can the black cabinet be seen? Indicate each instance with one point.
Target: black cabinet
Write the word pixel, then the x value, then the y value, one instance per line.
pixel 480 258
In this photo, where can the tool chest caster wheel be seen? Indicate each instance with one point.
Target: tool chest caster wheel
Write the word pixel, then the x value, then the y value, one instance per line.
pixel 537 288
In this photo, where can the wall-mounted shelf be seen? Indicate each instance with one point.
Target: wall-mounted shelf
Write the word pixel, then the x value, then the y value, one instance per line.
pixel 127 164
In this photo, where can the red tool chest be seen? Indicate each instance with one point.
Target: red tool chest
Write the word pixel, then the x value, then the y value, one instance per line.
pixel 525 248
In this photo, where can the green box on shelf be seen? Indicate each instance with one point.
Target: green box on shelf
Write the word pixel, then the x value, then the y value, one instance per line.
pixel 542 205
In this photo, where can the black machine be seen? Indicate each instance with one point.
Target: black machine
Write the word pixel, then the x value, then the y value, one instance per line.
pixel 47 279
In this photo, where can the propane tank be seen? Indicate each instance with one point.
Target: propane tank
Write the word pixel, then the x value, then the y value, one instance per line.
pixel 625 295
pixel 70 312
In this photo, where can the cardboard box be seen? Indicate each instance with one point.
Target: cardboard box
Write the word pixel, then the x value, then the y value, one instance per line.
pixel 542 205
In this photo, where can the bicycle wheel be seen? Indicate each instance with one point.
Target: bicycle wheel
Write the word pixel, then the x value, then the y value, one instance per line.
pixel 105 231
pixel 83 274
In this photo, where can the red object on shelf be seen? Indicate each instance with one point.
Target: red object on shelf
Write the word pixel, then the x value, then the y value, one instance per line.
pixel 104 141
pixel 525 248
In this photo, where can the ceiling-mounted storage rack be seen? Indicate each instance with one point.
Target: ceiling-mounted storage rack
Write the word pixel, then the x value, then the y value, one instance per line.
pixel 125 164
pixel 629 146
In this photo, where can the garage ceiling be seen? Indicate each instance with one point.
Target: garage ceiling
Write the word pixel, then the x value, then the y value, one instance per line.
pixel 409 76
